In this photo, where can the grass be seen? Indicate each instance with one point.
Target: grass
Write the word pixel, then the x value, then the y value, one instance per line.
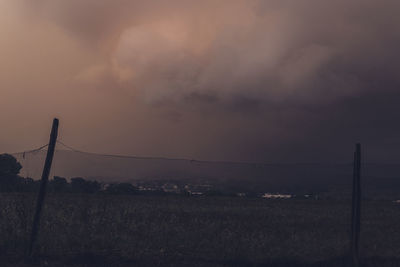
pixel 107 230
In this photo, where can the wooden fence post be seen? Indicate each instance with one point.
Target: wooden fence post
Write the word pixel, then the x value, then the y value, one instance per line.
pixel 43 185
pixel 356 207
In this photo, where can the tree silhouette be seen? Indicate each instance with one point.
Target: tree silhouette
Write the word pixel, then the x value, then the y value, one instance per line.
pixel 59 184
pixel 9 170
pixel 9 165
pixel 80 185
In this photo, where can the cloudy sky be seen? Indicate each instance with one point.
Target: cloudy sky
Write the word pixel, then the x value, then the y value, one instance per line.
pixel 248 80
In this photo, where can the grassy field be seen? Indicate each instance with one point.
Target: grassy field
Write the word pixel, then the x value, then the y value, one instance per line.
pixel 82 230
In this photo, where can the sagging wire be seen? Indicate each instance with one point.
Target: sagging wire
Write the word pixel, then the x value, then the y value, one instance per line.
pixel 192 161
pixel 31 151
pixel 26 159
pixel 156 158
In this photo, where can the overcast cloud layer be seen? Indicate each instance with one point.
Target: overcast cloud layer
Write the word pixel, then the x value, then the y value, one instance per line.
pixel 252 80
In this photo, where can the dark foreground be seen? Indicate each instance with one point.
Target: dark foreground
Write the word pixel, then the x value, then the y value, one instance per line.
pixel 88 230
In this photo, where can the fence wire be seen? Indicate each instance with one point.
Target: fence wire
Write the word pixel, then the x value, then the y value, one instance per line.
pixel 312 178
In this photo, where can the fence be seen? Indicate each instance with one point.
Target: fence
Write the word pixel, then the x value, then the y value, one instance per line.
pixel 202 177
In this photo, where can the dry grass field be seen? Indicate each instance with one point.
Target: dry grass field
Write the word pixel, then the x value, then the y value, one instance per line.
pixel 108 230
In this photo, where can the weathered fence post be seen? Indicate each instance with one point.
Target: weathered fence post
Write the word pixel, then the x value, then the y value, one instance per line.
pixel 356 207
pixel 43 185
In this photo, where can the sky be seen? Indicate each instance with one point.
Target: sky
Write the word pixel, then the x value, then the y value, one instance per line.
pixel 239 80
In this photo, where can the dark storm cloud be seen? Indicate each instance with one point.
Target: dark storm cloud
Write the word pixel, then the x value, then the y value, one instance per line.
pixel 245 80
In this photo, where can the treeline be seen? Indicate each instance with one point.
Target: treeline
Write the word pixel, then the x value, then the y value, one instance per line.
pixel 62 185
pixel 10 181
pixel 80 185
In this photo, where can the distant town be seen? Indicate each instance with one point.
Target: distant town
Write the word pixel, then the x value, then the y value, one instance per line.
pixel 206 189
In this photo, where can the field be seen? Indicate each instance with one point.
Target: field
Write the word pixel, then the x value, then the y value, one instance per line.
pixel 107 230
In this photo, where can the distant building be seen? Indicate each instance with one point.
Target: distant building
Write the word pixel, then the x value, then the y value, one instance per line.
pixel 276 196
pixel 170 188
